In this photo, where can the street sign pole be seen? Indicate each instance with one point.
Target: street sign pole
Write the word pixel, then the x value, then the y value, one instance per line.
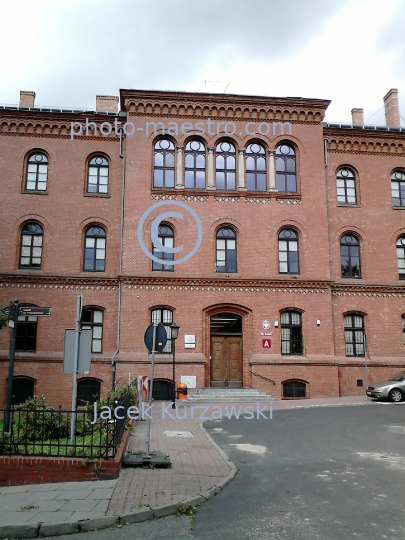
pixel 152 367
pixel 75 369
pixel 11 367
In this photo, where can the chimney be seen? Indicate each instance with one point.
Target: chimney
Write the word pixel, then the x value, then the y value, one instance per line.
pixel 27 99
pixel 357 117
pixel 392 108
pixel 107 104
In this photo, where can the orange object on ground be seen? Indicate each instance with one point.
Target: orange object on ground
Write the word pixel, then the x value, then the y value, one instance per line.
pixel 182 391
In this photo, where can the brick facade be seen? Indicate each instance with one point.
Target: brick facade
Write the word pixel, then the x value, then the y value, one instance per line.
pixel 127 290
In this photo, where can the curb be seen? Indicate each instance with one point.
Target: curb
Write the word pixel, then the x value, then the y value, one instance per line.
pixel 42 530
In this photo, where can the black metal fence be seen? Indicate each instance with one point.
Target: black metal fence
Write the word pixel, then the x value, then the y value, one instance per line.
pixel 46 431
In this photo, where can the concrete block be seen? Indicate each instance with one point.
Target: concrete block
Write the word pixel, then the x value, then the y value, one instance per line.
pixel 137 515
pixel 98 523
pixel 57 529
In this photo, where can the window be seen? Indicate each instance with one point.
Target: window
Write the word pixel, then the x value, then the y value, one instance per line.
pixel 350 256
pixel 286 174
pixel 37 172
pixel 255 167
pixel 225 177
pixel 294 389
pixel 354 335
pixel 31 246
pixel 97 179
pixel 94 249
pixel 398 188
pixel 194 165
pixel 166 237
pixel 163 173
pixel 88 391
pixel 401 257
pixel 92 319
pixel 23 389
pixel 165 317
pixel 291 333
pixel 346 187
pixel 288 262
pixel 226 250
pixel 26 333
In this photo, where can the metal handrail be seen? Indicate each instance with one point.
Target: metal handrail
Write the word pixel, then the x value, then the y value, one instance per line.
pixel 263 377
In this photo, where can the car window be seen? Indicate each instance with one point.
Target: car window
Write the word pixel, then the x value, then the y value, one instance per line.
pixel 400 376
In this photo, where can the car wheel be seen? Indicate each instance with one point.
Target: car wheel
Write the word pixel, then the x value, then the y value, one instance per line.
pixel 396 395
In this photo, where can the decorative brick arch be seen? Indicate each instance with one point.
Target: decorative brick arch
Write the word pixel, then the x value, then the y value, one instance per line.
pixel 247 336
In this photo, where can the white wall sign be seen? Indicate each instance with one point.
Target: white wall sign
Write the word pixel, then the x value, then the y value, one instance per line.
pixel 189 380
pixel 189 341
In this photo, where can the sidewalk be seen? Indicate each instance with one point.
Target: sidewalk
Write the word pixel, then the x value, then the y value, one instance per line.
pixel 199 471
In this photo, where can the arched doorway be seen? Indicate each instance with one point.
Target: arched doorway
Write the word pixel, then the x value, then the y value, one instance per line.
pixel 226 350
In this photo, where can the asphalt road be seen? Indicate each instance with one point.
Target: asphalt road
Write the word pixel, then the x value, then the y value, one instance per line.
pixel 320 473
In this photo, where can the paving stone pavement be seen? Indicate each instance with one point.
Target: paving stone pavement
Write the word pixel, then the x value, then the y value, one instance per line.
pixel 199 471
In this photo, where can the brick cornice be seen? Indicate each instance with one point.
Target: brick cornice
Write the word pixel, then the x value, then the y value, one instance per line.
pixel 17 122
pixel 223 106
pixel 225 284
pixel 365 142
pixel 375 291
pixel 57 282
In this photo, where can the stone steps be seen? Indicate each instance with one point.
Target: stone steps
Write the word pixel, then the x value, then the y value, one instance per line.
pixel 227 395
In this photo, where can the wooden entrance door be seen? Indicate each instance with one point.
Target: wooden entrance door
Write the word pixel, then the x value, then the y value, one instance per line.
pixel 226 361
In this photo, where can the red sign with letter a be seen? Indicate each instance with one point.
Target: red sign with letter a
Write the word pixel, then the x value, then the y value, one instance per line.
pixel 266 343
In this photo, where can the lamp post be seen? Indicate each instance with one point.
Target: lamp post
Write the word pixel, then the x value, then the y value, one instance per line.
pixel 174 335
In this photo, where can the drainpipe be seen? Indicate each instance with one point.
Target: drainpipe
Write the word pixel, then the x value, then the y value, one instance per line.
pixel 113 363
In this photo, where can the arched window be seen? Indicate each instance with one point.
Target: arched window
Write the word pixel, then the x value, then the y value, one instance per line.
pixel 88 391
pixel 398 188
pixel 291 333
pixel 194 165
pixel 350 256
pixel 163 172
pixel 37 172
pixel 225 160
pixel 288 259
pixel 346 186
pixel 23 389
pixel 166 237
pixel 94 249
pixel 31 246
pixel 294 389
pixel 226 250
pixel 255 167
pixel 92 319
pixel 286 172
pixel 401 257
pixel 165 317
pixel 354 334
pixel 97 177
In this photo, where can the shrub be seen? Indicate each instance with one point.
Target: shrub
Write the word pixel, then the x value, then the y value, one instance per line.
pixel 37 421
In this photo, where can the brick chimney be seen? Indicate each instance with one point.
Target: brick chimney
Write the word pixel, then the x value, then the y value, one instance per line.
pixel 357 117
pixel 107 104
pixel 392 108
pixel 27 99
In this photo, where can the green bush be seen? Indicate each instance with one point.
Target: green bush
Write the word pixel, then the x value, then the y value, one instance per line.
pixel 37 421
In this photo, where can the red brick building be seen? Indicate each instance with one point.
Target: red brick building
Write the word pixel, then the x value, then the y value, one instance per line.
pixel 302 251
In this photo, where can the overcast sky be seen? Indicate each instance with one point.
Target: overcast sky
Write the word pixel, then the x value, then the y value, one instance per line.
pixel 67 51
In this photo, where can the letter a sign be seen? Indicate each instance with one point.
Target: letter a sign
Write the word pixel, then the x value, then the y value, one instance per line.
pixel 266 343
